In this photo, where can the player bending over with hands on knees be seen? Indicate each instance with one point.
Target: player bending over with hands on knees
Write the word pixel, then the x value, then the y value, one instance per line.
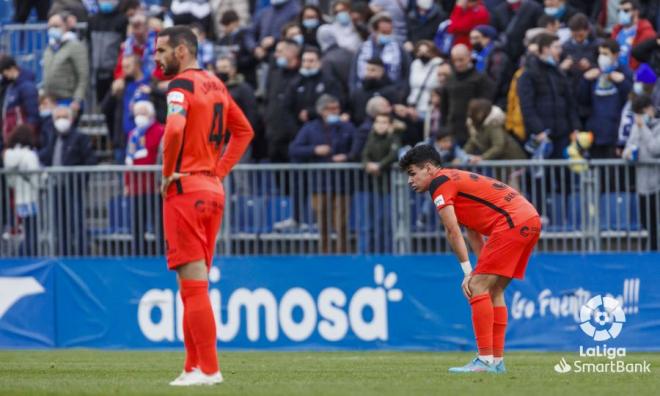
pixel 485 207
pixel 200 112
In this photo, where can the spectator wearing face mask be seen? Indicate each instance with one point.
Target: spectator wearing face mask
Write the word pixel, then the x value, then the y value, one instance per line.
pixel 423 77
pixel 141 188
pixel 336 61
pixel 644 145
pixel 310 20
pixel 489 58
pixel 382 44
pixel 630 31
pixel 605 90
pixel 280 122
pixel 376 83
pixel 327 139
pixel 220 7
pixel 234 42
pixel 648 52
pixel 645 81
pixel 560 10
pixel 397 10
pixel 19 103
pixel 69 148
pixel 242 93
pixel 66 65
pixel 343 27
pixel 423 21
pixel 267 26
pixel 310 85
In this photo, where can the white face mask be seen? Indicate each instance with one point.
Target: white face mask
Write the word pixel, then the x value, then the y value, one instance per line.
pixel 638 88
pixel 424 4
pixel 63 125
pixel 512 1
pixel 604 62
pixel 142 121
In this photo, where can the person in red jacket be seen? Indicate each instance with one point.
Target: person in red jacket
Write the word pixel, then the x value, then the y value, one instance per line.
pixel 467 15
pixel 630 31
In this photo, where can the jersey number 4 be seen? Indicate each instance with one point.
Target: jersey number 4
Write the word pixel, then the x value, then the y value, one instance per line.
pixel 216 136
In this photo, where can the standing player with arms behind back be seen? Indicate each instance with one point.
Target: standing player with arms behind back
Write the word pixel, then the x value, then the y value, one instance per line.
pixel 485 207
pixel 199 113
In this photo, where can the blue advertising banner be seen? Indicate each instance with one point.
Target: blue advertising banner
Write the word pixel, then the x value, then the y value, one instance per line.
pixel 324 302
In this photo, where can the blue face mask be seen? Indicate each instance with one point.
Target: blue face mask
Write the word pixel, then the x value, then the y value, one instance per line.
pixel 332 119
pixel 308 72
pixel 299 38
pixel 107 7
pixel 556 12
pixel 310 23
pixel 277 2
pixel 625 18
pixel 282 62
pixel 344 18
pixel 54 34
pixel 551 61
pixel 385 39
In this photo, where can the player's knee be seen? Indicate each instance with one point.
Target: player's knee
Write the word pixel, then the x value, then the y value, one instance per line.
pixel 195 270
pixel 479 284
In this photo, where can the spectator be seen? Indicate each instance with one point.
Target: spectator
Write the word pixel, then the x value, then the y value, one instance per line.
pixel 142 43
pixel 488 139
pixel 579 54
pixel 546 99
pixel 74 11
pixel 360 15
pixel 19 103
pixel 189 12
pixel 66 65
pixel 605 14
pixel 241 92
pixel 423 21
pixel 644 145
pixel 235 42
pixel 648 52
pixel 423 77
pixel 466 15
pixel 105 33
pixel 433 119
pixel 327 139
pixel 381 44
pixel 205 55
pixel 219 8
pixel 140 187
pixel 553 26
pixel 69 148
pixel 20 156
pixel 311 19
pixel 378 156
pixel 630 31
pixel 336 61
pixel 491 59
pixel 280 123
pixel 512 19
pixel 450 152
pixel 376 105
pixel 645 81
pixel 267 25
pixel 605 90
pixel 23 8
pixel 343 27
pixel 397 10
pixel 292 31
pixel 376 83
pixel 560 10
pixel 46 127
pixel 310 85
pixel 465 84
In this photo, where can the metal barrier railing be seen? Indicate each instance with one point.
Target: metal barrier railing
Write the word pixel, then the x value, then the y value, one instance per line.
pixel 285 209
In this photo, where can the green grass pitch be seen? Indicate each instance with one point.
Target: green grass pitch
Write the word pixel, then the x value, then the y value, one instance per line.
pixel 91 372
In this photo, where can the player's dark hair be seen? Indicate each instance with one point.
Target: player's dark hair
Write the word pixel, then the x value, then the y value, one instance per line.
pixel 181 35
pixel 639 103
pixel 611 45
pixel 579 21
pixel 420 156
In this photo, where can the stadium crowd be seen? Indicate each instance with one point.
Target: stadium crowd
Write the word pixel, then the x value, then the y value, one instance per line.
pixel 353 81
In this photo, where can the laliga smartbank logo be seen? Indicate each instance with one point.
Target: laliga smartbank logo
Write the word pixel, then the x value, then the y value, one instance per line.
pixel 297 315
pixel 602 319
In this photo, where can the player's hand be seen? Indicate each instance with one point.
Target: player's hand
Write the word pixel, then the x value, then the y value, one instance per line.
pixel 168 180
pixel 322 150
pixel 465 285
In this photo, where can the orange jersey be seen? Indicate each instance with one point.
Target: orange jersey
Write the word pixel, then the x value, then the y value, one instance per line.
pixel 481 203
pixel 200 111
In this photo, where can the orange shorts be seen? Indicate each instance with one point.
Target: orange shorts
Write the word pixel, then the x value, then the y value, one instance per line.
pixel 191 222
pixel 506 253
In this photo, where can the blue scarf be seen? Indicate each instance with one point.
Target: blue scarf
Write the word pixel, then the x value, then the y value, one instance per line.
pixel 137 145
pixel 148 62
pixel 480 58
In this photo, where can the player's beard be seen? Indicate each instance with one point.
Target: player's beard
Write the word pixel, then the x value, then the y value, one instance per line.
pixel 171 68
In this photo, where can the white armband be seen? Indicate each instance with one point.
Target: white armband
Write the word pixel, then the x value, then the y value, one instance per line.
pixel 466 267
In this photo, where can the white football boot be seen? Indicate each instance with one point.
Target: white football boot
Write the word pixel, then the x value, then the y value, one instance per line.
pixel 197 377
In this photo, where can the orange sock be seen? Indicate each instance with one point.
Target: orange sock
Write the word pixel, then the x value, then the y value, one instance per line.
pixel 499 330
pixel 482 321
pixel 198 311
pixel 192 360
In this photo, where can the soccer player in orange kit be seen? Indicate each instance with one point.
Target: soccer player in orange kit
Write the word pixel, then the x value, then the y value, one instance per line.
pixel 485 207
pixel 200 112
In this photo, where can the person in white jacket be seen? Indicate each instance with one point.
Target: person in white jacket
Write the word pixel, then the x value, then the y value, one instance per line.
pixel 21 160
pixel 423 77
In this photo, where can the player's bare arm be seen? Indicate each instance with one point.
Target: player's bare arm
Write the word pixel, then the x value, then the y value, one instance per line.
pixel 476 241
pixel 455 238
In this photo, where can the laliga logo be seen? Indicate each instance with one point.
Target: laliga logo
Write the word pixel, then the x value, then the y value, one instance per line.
pixel 603 311
pixel 332 313
pixel 14 288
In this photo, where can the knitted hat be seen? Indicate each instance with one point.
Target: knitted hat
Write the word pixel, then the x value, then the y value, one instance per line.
pixel 487 31
pixel 645 74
